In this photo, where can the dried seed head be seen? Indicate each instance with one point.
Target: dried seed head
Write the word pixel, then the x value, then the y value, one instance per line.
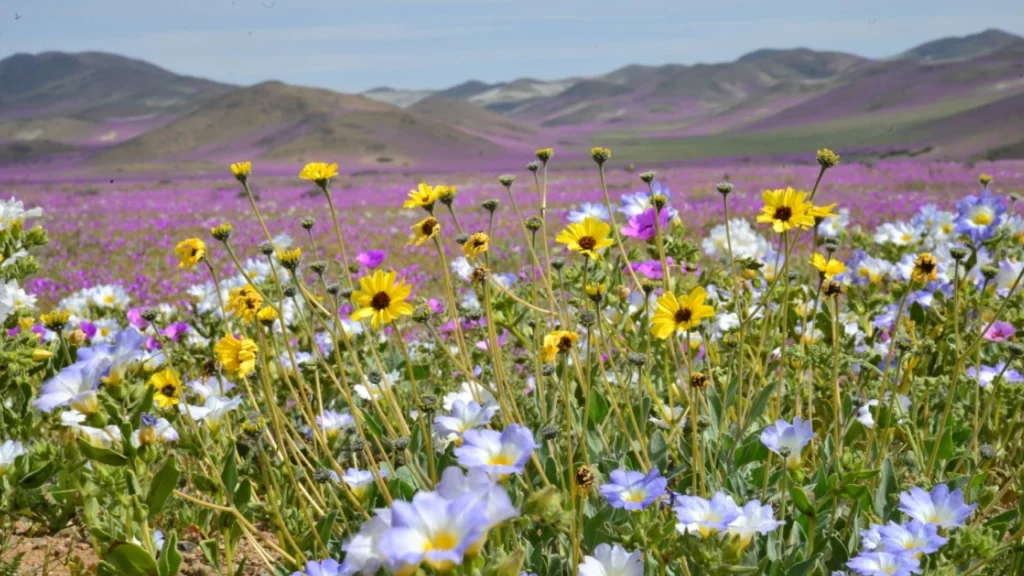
pixel 428 404
pixel 533 166
pixel 648 177
pixel 318 267
pixel 289 292
pixel 548 369
pixel 506 180
pixel 308 223
pixel 558 263
pixel 724 188
pixel 698 380
pixel 584 478
pixel 586 319
pixel 421 314
pixel 831 243
pixel 149 315
pixel 266 248
pixel 474 314
pixel 989 271
pixel 491 204
pixel 462 238
pixel 400 444
pixel 638 359
pixel 373 377
pixel 533 223
pixel 958 253
pixel 549 433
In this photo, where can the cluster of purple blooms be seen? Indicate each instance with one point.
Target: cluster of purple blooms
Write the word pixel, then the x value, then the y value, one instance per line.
pixel 897 549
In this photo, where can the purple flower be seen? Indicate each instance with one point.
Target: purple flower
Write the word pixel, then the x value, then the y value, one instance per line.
pixel 788 440
pixel 940 507
pixel 135 319
pixel 650 269
pixel 705 517
pixel 988 374
pixel 371 258
pixel 503 452
pixel 88 328
pixel 915 538
pixel 634 490
pixel 642 225
pixel 999 331
pixel 884 564
pixel 175 330
pixel 980 215
pixel 433 529
pixel 322 568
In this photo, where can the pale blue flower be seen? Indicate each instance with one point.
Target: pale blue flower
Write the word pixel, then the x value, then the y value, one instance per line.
pixel 362 553
pixel 505 452
pixel 940 507
pixel 609 560
pixel 634 490
pixel 705 517
pixel 431 529
pixel 884 564
pixel 788 440
pixel 332 422
pixel 70 385
pixel 484 492
pixel 979 216
pixel 914 537
pixel 327 567
pixel 752 519
pixel 588 210
pixel 464 416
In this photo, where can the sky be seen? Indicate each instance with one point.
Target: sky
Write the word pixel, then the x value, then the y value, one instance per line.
pixel 431 44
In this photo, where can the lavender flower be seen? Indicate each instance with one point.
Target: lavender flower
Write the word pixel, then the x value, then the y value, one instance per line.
pixel 884 564
pixel 464 416
pixel 788 440
pixel 588 210
pixel 940 507
pixel 433 529
pixel 321 568
pixel 362 553
pixel 915 538
pixel 705 517
pixel 634 490
pixel 752 519
pixel 485 494
pixel 979 216
pixel 497 452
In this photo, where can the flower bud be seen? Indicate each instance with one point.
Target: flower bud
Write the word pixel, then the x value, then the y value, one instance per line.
pixel 506 180
pixel 648 177
pixel 724 188
pixel 41 355
pixel 308 223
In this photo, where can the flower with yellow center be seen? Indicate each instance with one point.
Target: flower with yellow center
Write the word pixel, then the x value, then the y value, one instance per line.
pixel 424 230
pixel 190 252
pixel 319 172
pixel 26 322
pixel 381 298
pixel 245 302
pixel 237 355
pixel 544 154
pixel 559 341
pixel 55 320
pixel 476 245
pixel 241 170
pixel 786 209
pixel 222 232
pixel 168 387
pixel 828 268
pixel 926 268
pixel 423 196
pixel 588 237
pixel 680 313
pixel 290 258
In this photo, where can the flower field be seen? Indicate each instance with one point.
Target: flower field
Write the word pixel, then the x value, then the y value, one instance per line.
pixel 805 368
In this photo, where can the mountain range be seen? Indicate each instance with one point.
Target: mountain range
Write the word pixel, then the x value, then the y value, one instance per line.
pixel 957 98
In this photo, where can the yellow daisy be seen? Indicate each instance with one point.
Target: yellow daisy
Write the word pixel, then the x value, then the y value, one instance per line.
pixel 245 302
pixel 266 315
pixel 786 209
pixel 679 314
pixel 476 245
pixel 588 237
pixel 828 268
pixel 168 387
pixel 819 213
pixel 190 252
pixel 241 170
pixel 237 355
pixel 319 172
pixel 423 196
pixel 557 342
pixel 925 268
pixel 424 230
pixel 381 298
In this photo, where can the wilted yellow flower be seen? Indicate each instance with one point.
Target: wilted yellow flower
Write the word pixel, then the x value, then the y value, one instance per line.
pixel 819 213
pixel 55 320
pixel 423 196
pixel 319 172
pixel 168 387
pixel 557 342
pixel 245 302
pixel 241 170
pixel 588 237
pixel 237 355
pixel 679 314
pixel 381 298
pixel 827 158
pixel 926 268
pixel 828 268
pixel 266 315
pixel 222 232
pixel 445 194
pixel 600 155
pixel 290 258
pixel 786 209
pixel 544 154
pixel 476 245
pixel 190 252
pixel 424 230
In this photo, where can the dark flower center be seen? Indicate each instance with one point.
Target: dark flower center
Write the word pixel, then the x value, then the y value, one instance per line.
pixel 783 213
pixel 479 242
pixel 565 344
pixel 587 242
pixel 926 266
pixel 428 227
pixel 169 390
pixel 683 315
pixel 380 301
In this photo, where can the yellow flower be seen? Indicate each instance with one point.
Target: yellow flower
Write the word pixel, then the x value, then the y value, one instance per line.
pixel 679 314
pixel 423 196
pixel 819 213
pixel 191 252
pixel 786 209
pixel 544 154
pixel 828 268
pixel 245 302
pixel 827 158
pixel 588 237
pixel 985 179
pixel 381 298
pixel 600 155
pixel 290 258
pixel 595 292
pixel 241 170
pixel 238 356
pixel 221 232
pixel 266 315
pixel 476 245
pixel 55 320
pixel 556 342
pixel 424 230
pixel 925 268
pixel 168 387
pixel 319 172
pixel 445 194
pixel 26 322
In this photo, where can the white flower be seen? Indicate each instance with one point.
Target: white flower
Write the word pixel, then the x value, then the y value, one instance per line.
pixel 212 411
pixel 612 561
pixel 588 210
pixel 462 268
pixel 667 421
pixel 9 451
pixel 898 233
pixel 13 212
pixel 833 225
pixel 370 391
pixel 469 392
pixel 108 296
pixel 13 298
pixel 746 243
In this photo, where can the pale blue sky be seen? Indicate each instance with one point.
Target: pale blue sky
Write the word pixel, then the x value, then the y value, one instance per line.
pixel 353 46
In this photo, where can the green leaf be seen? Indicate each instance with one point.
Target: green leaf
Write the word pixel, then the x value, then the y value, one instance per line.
pixel 212 552
pixel 163 484
pixel 131 560
pixel 751 450
pixel 658 450
pixel 760 403
pixel 145 405
pixel 598 407
pixel 38 477
pixel 887 486
pixel 324 526
pixel 917 313
pixel 1001 522
pixel 243 494
pixel 170 558
pixel 800 500
pixel 101 455
pixel 229 472
pixel 803 568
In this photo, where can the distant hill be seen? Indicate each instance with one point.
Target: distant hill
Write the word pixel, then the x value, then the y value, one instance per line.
pixel 962 47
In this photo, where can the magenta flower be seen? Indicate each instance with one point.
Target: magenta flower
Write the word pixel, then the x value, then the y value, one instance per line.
pixel 135 319
pixel 651 269
pixel 642 227
pixel 175 330
pixel 999 331
pixel 371 258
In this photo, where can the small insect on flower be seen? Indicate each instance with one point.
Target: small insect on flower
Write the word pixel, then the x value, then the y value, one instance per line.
pixel 600 155
pixel 245 302
pixel 222 232
pixel 190 252
pixel 827 158
pixel 56 320
pixel 925 268
pixel 424 230
pixel 828 268
pixel 476 245
pixel 381 298
pixel 557 342
pixel 237 355
pixel 680 313
pixel 168 387
pixel 319 172
pixel 423 196
pixel 241 170
pixel 544 154
pixel 786 209
pixel 290 258
pixel 588 237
